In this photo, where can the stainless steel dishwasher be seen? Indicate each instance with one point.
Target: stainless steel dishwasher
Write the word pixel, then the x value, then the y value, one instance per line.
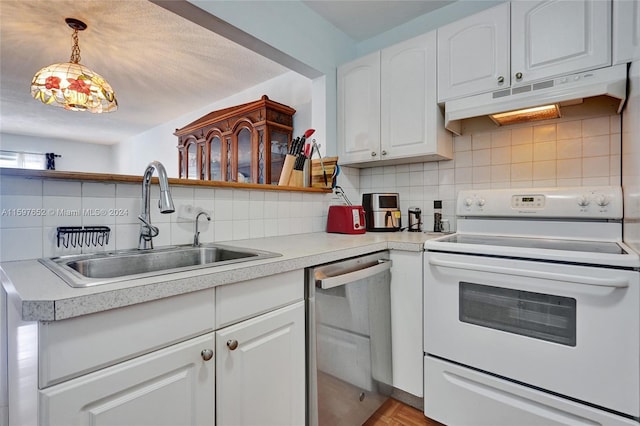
pixel 348 339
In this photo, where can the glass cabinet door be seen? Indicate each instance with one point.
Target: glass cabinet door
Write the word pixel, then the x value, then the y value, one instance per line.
pixel 244 157
pixel 215 159
pixel 192 161
pixel 279 149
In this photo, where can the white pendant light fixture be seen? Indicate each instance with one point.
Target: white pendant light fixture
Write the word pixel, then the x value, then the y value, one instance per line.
pixel 72 85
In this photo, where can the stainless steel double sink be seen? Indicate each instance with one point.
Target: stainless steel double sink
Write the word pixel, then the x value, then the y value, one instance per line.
pixel 86 270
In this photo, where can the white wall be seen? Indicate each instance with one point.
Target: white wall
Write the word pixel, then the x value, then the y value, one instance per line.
pixel 76 156
pixel 159 143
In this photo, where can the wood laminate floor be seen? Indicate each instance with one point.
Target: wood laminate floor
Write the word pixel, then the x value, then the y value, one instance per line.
pixel 395 413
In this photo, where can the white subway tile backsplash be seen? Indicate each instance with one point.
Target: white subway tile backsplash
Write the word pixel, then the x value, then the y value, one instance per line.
pixel 481 141
pixel 543 151
pixel 544 133
pixel 569 148
pixel 61 188
pixel 11 185
pixel 595 146
pixel 522 172
pixel 98 189
pixel 544 170
pixel 522 135
pixel 595 167
pixel 481 157
pixel 21 211
pixel 501 139
pixel 569 130
pixel 21 243
pixel 501 155
pixel 62 210
pixel 522 153
pixel 596 126
pixel 569 168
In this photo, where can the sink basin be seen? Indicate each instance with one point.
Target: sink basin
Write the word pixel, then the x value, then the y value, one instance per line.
pixel 108 267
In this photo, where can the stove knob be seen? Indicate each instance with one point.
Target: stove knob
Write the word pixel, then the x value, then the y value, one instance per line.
pixel 480 202
pixel 468 202
pixel 602 200
pixel 583 201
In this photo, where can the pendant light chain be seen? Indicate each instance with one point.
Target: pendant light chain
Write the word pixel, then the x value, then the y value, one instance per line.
pixel 75 50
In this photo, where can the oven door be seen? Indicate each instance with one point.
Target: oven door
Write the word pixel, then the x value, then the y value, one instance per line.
pixel 571 330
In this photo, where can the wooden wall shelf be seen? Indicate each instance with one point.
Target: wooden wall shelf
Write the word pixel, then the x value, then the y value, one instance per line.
pixel 107 177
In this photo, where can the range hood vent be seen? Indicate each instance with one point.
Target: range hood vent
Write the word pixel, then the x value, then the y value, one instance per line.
pixel 610 82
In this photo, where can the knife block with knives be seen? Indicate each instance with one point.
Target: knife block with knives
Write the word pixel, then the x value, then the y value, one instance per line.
pixel 293 168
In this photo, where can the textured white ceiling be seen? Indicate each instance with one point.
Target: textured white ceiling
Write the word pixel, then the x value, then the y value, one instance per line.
pixel 364 19
pixel 160 65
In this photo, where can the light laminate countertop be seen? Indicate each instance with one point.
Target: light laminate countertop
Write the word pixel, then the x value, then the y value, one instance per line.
pixel 43 296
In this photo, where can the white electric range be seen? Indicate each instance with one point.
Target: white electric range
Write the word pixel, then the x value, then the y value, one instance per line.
pixel 532 311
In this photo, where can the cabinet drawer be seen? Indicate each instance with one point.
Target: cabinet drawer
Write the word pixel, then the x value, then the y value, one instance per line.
pixel 77 346
pixel 239 301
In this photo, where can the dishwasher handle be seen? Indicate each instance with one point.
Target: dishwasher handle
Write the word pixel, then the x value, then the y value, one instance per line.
pixel 382 265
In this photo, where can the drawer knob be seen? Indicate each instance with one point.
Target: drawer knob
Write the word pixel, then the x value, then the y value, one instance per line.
pixel 501 79
pixel 232 344
pixel 206 354
pixel 518 76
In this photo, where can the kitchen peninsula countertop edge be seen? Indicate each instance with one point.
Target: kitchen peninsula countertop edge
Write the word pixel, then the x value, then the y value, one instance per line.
pixel 43 296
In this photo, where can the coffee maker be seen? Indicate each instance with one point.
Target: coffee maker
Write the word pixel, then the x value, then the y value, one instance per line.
pixel 415 219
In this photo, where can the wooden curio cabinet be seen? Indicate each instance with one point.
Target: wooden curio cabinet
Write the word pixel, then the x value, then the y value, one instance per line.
pixel 245 143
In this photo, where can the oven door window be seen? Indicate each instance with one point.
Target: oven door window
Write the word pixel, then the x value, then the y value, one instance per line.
pixel 537 315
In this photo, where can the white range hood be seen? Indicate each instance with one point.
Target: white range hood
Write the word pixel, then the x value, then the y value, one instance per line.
pixel 611 81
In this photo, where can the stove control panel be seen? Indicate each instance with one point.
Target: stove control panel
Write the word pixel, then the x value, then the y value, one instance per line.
pixel 604 202
pixel 529 201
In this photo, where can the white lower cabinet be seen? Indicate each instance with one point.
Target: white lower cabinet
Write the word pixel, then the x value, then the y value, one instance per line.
pixel 260 370
pixel 172 386
pixel 406 321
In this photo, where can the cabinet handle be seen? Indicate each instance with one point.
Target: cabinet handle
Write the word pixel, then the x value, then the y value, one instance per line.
pixel 518 76
pixel 383 153
pixel 232 344
pixel 500 79
pixel 206 354
pixel 373 153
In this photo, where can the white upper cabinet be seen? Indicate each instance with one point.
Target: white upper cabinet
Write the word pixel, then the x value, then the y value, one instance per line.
pixel 411 121
pixel 626 31
pixel 359 109
pixel 473 54
pixel 520 42
pixel 387 107
pixel 550 38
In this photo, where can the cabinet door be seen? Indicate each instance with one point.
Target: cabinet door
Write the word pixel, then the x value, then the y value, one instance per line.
pixel 626 31
pixel 359 109
pixel 473 54
pixel 172 386
pixel 409 108
pixel 406 321
pixel 261 370
pixel 550 38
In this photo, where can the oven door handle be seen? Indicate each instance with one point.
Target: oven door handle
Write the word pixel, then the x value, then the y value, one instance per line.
pixel 578 279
